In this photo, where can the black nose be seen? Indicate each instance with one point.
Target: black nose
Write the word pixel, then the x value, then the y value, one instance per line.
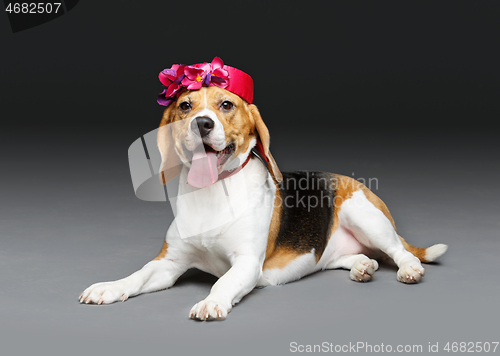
pixel 205 125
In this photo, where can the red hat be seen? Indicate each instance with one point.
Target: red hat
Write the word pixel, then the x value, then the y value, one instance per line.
pixel 179 78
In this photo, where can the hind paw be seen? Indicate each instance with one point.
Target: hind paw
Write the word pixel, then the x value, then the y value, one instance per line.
pixel 363 270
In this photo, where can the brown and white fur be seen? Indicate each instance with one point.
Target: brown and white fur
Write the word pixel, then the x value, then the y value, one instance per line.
pixel 271 242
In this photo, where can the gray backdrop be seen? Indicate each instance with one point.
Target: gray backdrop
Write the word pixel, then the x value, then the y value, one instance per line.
pixel 404 93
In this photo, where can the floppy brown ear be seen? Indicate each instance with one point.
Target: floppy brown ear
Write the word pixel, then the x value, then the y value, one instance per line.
pixel 265 139
pixel 171 164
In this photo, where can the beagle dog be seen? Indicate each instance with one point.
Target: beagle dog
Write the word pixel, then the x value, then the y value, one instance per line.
pixel 272 229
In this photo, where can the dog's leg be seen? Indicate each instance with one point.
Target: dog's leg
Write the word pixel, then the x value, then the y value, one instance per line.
pixel 362 268
pixel 158 274
pixel 241 278
pixel 373 229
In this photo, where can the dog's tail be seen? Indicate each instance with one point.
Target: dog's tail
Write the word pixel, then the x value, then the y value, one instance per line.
pixel 428 254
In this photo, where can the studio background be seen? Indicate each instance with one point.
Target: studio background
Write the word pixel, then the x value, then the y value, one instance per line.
pixel 404 92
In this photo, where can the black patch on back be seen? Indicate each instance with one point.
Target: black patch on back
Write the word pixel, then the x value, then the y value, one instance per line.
pixel 307 210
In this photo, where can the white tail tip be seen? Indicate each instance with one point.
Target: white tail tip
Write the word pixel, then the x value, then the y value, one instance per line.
pixel 434 252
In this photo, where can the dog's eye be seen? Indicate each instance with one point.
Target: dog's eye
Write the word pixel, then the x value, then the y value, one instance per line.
pixel 226 105
pixel 185 106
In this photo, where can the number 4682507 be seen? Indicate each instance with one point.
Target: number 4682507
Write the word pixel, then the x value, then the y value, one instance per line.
pixel 33 8
pixel 471 346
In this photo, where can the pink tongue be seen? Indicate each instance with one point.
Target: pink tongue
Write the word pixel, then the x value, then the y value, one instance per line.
pixel 203 171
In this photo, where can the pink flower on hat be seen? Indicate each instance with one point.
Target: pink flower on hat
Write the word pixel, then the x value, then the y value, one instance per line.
pixel 195 77
pixel 219 76
pixel 180 77
pixel 206 74
pixel 172 79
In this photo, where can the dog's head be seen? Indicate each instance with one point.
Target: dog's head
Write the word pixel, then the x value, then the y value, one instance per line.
pixel 210 130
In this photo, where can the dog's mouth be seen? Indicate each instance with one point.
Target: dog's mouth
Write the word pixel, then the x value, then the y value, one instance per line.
pixel 222 156
pixel 207 163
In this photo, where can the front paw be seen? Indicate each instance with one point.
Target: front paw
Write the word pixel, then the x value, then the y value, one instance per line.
pixel 411 272
pixel 104 293
pixel 209 310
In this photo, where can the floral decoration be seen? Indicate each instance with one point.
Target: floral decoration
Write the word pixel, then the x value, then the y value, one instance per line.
pixel 181 77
